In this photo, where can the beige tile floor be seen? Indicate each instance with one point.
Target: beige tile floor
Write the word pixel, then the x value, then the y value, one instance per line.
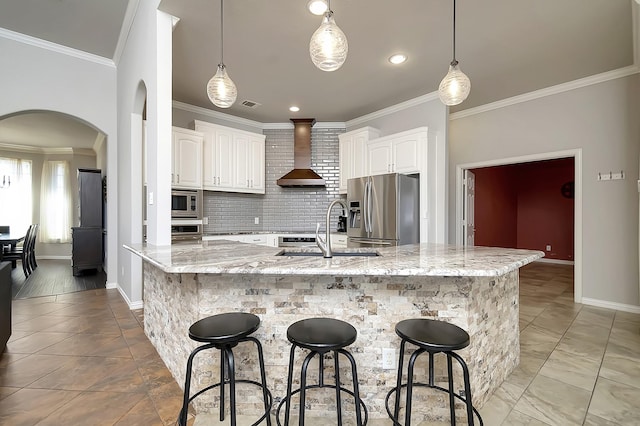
pixel 83 359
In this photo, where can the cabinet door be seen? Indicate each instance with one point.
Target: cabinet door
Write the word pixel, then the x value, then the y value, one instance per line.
pixel 224 160
pixel 243 161
pixel 256 156
pixel 379 157
pixel 406 154
pixel 187 150
pixel 358 155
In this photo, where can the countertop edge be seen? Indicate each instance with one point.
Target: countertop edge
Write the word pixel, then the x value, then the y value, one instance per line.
pixel 255 267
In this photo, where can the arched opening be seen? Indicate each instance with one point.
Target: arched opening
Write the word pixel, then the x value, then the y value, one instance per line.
pixel 50 147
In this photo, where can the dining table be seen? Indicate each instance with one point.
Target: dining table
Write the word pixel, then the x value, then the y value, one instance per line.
pixel 10 239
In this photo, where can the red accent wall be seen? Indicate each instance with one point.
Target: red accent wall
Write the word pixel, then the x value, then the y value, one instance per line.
pixel 496 207
pixel 522 206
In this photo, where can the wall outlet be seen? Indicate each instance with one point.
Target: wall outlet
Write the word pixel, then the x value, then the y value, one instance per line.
pixel 150 198
pixel 388 359
pixel 256 221
pixel 548 247
pixel 205 220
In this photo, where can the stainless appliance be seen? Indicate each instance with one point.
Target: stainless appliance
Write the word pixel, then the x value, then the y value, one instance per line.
pixel 296 241
pixel 384 210
pixel 186 230
pixel 186 204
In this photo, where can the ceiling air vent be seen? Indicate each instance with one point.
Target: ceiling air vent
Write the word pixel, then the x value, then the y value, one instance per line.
pixel 250 104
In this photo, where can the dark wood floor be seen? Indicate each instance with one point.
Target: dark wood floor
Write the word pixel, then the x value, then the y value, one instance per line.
pixel 53 277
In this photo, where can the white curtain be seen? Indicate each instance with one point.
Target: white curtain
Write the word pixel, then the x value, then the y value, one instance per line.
pixel 55 203
pixel 15 194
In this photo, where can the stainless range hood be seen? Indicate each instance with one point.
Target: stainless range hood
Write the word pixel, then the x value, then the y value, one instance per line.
pixel 302 175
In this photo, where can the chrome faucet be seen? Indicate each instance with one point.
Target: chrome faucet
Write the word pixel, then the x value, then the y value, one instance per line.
pixel 325 246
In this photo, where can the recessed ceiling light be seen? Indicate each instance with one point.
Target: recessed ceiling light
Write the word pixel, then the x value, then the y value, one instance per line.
pixel 317 7
pixel 294 109
pixel 398 58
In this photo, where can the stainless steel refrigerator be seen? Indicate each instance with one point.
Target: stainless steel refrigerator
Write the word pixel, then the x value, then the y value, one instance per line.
pixel 384 210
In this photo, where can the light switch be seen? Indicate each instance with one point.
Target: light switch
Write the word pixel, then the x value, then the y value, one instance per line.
pixel 150 198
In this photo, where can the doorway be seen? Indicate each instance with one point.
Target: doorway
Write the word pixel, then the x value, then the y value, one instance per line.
pixel 465 215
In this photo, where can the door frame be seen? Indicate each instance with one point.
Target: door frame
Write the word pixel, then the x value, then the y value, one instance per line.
pixel 577 201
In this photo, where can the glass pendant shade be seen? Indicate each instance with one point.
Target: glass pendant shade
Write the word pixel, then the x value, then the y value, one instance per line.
pixel 328 47
pixel 455 86
pixel 221 89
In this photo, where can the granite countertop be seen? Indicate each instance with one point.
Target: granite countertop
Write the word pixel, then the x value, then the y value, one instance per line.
pixel 228 257
pixel 313 232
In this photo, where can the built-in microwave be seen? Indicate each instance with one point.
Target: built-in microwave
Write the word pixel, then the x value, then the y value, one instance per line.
pixel 186 204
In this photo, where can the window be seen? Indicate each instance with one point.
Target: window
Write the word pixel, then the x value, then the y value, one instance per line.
pixel 55 203
pixel 15 194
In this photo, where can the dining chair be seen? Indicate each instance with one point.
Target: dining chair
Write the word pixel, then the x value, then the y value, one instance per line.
pixel 22 253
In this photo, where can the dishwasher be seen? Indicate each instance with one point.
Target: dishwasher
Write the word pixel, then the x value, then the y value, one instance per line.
pixel 296 241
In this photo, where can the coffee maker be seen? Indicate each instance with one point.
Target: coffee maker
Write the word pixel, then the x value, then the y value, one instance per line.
pixel 342 224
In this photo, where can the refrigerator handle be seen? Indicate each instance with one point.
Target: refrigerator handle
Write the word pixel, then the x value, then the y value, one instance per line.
pixel 364 206
pixel 367 194
pixel 370 207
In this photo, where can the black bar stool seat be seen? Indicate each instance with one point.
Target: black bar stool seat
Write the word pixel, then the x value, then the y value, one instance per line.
pixel 319 336
pixel 433 337
pixel 224 332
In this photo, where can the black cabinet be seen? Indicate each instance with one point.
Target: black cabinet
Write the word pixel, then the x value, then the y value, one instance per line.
pixel 86 250
pixel 5 304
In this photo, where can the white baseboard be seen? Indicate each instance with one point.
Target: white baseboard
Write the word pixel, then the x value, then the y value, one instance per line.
pixel 557 261
pixel 634 309
pixel 51 257
pixel 132 305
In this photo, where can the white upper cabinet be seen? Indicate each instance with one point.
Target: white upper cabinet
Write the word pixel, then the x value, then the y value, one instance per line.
pixel 352 154
pixel 249 171
pixel 398 153
pixel 233 159
pixel 187 158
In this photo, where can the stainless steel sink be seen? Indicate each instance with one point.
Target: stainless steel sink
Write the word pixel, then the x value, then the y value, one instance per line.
pixel 334 254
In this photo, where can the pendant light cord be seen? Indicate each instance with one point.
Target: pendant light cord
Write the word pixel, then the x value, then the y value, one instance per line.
pixel 454 32
pixel 222 32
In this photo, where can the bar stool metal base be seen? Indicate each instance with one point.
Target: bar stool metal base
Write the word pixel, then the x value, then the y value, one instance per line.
pixel 320 336
pixel 431 337
pixel 233 329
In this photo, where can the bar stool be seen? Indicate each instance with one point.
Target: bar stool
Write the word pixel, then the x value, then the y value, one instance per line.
pixel 224 332
pixel 433 337
pixel 319 336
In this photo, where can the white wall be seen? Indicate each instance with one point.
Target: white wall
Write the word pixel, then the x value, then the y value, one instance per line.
pixel 144 69
pixel 35 78
pixel 604 121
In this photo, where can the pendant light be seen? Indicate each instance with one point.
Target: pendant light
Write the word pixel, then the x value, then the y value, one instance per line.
pixel 328 46
pixel 455 86
pixel 221 89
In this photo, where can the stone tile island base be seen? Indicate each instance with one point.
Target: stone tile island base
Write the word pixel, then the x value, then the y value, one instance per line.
pixel 487 307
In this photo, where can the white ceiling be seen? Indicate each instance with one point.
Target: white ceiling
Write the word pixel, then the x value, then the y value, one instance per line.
pixel 506 47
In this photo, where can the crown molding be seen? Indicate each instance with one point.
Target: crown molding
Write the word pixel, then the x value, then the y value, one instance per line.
pixel 43 44
pixel 548 91
pixel 393 109
pixel 127 23
pixel 46 150
pixel 317 125
pixel 215 114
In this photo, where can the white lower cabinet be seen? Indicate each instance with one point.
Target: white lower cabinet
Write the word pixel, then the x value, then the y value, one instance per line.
pixel 338 241
pixel 233 159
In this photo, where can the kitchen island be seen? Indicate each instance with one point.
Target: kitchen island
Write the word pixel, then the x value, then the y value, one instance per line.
pixel 475 288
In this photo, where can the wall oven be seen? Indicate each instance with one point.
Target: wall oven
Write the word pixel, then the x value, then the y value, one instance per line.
pixel 186 230
pixel 186 204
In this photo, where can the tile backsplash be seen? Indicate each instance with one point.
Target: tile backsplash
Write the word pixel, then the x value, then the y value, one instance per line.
pixel 281 209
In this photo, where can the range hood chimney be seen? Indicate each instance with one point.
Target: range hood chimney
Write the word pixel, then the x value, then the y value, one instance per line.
pixel 302 175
